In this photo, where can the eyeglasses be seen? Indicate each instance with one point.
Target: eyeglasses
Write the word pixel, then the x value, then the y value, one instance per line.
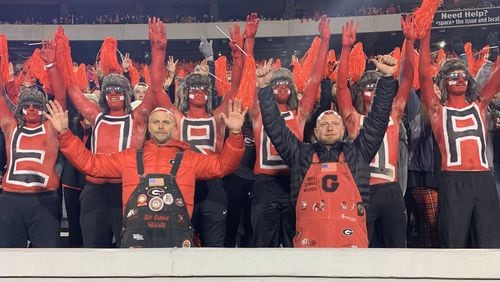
pixel 456 75
pixel 370 87
pixel 35 105
pixel 195 88
pixel 281 82
pixel 113 88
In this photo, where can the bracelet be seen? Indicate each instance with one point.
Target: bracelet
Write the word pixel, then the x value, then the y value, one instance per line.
pixel 48 66
pixel 235 133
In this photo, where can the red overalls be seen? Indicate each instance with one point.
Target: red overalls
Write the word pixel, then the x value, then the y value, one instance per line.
pixel 329 208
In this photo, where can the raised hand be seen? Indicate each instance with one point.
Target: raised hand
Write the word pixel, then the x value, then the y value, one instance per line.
pixel 265 73
pixel 386 64
pixel 206 47
pixel 57 116
pixel 349 33
pixel 324 28
pixel 408 27
pixel 157 33
pixel 171 65
pixel 126 61
pixel 236 39
pixel 98 69
pixel 235 116
pixel 251 26
pixel 48 52
pixel 492 41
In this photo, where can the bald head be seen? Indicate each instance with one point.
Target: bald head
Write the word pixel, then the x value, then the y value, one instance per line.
pixel 329 128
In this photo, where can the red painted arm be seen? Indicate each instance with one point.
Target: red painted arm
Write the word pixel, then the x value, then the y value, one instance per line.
pixel 251 26
pixel 346 110
pixel 408 58
pixel 158 39
pixel 429 98
pixel 57 86
pixel 7 118
pixel 141 113
pixel 312 86
pixel 238 60
pixel 48 55
pixel 88 109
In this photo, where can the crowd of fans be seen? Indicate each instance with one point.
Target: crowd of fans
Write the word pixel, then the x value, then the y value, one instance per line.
pixel 137 18
pixel 319 153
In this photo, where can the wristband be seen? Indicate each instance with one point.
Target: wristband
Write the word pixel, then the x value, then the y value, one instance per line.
pixel 48 66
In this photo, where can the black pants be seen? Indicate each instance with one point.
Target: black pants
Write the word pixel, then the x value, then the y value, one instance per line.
pixel 29 216
pixel 386 216
pixel 72 202
pixel 101 215
pixel 272 212
pixel 238 190
pixel 210 212
pixel 468 206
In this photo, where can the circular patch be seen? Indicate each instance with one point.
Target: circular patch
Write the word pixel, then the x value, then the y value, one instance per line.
pixel 141 200
pixel 347 232
pixel 179 202
pixel 168 199
pixel 156 204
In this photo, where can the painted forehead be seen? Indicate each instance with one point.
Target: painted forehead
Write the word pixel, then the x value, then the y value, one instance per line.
pixel 161 113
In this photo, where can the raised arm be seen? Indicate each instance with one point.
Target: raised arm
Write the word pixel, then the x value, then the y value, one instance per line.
pixel 237 55
pixel 251 27
pixel 88 109
pixel 97 165
pixel 429 98
pixel 347 111
pixel 408 63
pixel 7 118
pixel 312 86
pixel 48 55
pixel 158 38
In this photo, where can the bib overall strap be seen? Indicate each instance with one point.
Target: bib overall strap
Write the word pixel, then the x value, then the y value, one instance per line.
pixel 177 163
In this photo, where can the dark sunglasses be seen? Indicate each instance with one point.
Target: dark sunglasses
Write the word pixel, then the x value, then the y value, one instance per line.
pixel 35 105
pixel 195 88
pixel 370 87
pixel 281 82
pixel 113 88
pixel 456 75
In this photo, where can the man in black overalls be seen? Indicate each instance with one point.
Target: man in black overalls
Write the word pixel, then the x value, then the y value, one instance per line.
pixel 157 203
pixel 159 179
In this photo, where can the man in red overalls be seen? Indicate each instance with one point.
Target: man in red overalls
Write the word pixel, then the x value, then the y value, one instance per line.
pixel 158 180
pixel 327 174
pixel 387 213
